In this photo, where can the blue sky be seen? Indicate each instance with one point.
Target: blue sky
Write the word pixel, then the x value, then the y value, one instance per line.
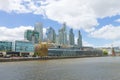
pixel 99 25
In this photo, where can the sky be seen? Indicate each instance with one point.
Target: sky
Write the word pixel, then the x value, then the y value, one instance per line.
pixel 98 20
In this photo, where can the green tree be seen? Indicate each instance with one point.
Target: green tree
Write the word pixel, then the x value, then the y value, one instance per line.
pixel 105 52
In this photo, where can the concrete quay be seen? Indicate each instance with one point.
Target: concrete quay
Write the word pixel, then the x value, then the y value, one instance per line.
pixel 13 59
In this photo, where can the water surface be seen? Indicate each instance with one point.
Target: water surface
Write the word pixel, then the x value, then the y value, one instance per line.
pixel 98 68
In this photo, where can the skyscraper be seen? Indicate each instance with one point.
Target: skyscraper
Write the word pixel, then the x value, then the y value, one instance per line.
pixel 79 41
pixel 32 36
pixel 71 37
pixel 39 28
pixel 51 35
pixel 63 35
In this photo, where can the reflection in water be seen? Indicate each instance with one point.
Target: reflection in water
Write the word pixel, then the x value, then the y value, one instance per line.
pixel 101 68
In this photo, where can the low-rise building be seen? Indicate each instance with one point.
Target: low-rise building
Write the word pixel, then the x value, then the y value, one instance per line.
pixel 5 46
pixel 25 48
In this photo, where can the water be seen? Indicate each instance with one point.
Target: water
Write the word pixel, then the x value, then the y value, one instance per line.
pixel 99 68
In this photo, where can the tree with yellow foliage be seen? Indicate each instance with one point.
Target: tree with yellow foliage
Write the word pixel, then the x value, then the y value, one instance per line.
pixel 41 50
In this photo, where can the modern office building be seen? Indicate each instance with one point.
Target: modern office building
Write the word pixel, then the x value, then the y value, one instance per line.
pixel 63 35
pixel 71 37
pixel 39 28
pixel 79 40
pixel 24 48
pixel 5 46
pixel 51 35
pixel 32 36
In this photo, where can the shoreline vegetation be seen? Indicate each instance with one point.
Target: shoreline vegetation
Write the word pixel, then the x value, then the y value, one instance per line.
pixel 15 59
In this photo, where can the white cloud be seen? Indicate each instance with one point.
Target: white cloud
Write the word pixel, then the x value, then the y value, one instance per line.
pixel 79 14
pixel 113 44
pixel 16 33
pixel 107 32
pixel 11 34
pixel 84 43
pixel 118 20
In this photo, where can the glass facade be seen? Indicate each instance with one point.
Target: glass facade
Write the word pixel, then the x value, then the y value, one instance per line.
pixel 39 28
pixel 73 52
pixel 24 46
pixel 31 36
pixel 5 46
pixel 51 35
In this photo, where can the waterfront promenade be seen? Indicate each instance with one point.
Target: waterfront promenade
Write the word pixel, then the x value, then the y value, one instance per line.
pixel 95 68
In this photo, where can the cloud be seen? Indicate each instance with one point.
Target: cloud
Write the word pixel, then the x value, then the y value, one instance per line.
pixel 78 14
pixel 16 33
pixel 84 43
pixel 107 32
pixel 81 14
pixel 112 44
pixel 12 34
pixel 118 20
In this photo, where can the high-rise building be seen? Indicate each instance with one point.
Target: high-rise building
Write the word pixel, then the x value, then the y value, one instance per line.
pixel 32 36
pixel 71 37
pixel 51 35
pixel 63 35
pixel 39 28
pixel 79 40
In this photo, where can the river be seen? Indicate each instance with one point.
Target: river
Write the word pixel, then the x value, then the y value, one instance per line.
pixel 97 68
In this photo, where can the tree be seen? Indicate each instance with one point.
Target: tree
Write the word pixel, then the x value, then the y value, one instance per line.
pixel 41 50
pixel 105 52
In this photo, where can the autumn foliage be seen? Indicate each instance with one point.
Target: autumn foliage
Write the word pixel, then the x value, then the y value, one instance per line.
pixel 41 50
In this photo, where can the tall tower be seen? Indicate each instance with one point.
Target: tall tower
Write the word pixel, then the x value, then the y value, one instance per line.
pixel 79 40
pixel 71 37
pixel 51 35
pixel 39 28
pixel 31 35
pixel 63 35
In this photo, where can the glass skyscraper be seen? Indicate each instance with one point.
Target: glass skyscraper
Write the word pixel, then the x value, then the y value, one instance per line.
pixel 79 41
pixel 63 35
pixel 51 35
pixel 71 37
pixel 39 28
pixel 32 36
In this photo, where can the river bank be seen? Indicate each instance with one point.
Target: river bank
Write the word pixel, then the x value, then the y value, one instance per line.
pixel 13 59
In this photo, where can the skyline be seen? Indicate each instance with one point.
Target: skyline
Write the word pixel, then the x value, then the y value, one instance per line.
pixel 89 17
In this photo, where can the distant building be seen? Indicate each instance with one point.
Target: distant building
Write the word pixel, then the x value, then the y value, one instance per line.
pixel 39 28
pixel 51 35
pixel 63 35
pixel 79 40
pixel 71 37
pixel 73 52
pixel 32 36
pixel 24 48
pixel 5 46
